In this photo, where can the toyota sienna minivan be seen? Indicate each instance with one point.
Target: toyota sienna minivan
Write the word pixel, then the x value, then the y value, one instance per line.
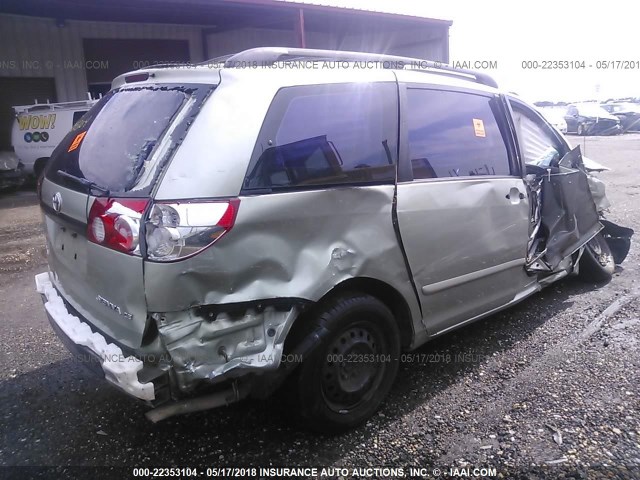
pixel 215 232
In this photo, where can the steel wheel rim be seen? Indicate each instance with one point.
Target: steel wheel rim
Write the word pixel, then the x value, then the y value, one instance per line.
pixel 347 380
pixel 602 257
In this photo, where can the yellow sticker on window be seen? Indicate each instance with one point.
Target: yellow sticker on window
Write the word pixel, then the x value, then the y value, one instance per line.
pixel 478 127
pixel 76 141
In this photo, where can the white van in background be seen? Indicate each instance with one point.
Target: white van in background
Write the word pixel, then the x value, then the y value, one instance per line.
pixel 39 128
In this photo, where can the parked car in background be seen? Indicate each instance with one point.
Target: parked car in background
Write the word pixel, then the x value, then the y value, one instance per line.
pixel 555 116
pixel 628 114
pixel 591 119
pixel 11 173
pixel 39 128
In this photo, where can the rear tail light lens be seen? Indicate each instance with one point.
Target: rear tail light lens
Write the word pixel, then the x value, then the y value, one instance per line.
pixel 115 223
pixel 178 230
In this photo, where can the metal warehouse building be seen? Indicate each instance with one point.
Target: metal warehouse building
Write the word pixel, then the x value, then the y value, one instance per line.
pixel 58 50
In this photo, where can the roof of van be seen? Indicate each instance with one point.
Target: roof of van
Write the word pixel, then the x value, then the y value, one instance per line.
pixel 295 66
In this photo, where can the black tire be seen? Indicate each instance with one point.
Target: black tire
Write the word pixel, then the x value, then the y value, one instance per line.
pixel 337 395
pixel 597 263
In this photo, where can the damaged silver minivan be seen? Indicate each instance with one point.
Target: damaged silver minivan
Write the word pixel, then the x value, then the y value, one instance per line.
pixel 216 231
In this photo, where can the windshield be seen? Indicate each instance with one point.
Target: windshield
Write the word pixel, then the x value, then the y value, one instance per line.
pixel 119 144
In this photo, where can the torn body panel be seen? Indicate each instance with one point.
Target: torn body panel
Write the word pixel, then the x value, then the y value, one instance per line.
pixel 209 347
pixel 564 215
pixel 284 245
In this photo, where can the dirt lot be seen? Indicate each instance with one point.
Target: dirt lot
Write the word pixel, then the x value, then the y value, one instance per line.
pixel 547 388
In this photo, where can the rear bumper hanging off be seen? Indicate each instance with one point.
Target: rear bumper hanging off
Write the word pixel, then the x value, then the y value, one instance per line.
pixel 120 370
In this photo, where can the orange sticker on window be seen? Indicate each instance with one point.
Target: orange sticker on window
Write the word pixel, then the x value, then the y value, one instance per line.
pixel 76 141
pixel 478 127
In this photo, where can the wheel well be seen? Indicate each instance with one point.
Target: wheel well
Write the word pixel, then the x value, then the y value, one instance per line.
pixel 376 288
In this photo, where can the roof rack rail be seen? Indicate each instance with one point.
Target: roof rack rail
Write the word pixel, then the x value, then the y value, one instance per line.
pixel 35 107
pixel 269 55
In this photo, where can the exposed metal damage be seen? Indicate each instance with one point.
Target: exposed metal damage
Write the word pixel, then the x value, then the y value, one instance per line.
pixel 212 346
pixel 567 204
pixel 563 213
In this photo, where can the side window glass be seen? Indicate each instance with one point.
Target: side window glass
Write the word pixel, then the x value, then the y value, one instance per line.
pixel 327 135
pixel 538 144
pixel 76 117
pixel 453 134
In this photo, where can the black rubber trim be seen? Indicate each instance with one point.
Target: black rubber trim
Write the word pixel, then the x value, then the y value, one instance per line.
pixel 240 308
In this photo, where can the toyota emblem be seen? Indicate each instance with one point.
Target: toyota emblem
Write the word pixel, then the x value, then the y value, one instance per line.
pixel 57 202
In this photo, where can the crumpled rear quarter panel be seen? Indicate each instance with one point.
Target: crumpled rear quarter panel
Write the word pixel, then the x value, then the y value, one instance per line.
pixel 295 244
pixel 209 348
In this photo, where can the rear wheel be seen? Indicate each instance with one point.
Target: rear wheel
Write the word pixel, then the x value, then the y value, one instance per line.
pixel 581 130
pixel 597 263
pixel 345 379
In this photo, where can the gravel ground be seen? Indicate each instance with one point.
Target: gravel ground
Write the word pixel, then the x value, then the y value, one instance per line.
pixel 548 389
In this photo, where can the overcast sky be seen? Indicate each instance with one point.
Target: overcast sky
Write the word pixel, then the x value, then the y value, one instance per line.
pixel 513 32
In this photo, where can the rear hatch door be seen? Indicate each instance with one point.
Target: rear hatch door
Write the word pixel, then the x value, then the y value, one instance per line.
pixel 114 156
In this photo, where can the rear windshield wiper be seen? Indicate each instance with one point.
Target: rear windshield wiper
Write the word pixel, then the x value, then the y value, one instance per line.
pixel 84 182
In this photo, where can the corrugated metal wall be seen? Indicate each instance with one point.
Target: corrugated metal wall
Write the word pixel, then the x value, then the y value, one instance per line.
pixel 37 47
pixel 427 44
pixel 232 41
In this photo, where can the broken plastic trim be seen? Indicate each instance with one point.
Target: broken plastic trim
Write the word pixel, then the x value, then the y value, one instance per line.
pixel 618 238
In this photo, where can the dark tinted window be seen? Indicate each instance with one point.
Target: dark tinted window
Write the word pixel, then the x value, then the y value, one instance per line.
pixel 78 115
pixel 454 134
pixel 114 144
pixel 326 135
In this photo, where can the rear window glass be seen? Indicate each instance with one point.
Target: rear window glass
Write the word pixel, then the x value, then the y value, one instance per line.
pixel 327 135
pixel 454 134
pixel 120 142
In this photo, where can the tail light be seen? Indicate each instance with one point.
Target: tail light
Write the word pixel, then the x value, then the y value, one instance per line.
pixel 115 223
pixel 179 230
